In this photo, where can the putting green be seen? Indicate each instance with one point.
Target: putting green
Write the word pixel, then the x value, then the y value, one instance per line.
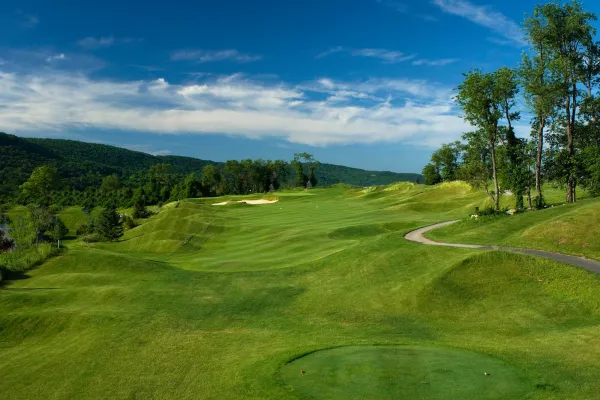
pixel 403 372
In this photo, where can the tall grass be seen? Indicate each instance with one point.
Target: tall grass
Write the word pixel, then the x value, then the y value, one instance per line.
pixel 26 258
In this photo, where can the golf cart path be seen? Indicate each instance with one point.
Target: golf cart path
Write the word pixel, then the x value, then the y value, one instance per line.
pixel 581 262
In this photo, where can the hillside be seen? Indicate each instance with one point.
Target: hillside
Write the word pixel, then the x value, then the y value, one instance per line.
pixel 84 164
pixel 317 296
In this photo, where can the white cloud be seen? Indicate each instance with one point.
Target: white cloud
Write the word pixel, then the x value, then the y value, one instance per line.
pixel 434 63
pixel 94 43
pixel 484 16
pixel 387 56
pixel 161 152
pixel 204 56
pixel 55 57
pixel 333 50
pixel 353 112
pixel 500 41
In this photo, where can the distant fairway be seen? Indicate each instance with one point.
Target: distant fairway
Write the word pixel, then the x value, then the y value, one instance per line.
pixel 231 302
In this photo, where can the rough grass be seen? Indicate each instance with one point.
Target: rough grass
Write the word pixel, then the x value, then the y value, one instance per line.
pixel 177 311
pixel 569 229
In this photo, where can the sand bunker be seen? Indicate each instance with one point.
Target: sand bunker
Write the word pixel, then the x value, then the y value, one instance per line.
pixel 261 201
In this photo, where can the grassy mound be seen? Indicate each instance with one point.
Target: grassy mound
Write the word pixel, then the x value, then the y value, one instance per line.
pixel 569 229
pixel 212 302
pixel 399 372
pixel 512 292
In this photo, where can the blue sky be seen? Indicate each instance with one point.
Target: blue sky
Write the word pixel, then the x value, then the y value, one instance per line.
pixel 364 83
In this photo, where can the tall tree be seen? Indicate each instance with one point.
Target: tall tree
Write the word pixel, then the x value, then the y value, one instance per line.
pixel 486 99
pixel 431 174
pixel 41 219
pixel 300 178
pixel 541 86
pixel 40 185
pixel 211 179
pixel 191 186
pixel 446 160
pixel 570 37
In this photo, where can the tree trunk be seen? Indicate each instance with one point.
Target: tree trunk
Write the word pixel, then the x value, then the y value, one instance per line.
pixel 569 126
pixel 538 159
pixel 573 178
pixel 495 175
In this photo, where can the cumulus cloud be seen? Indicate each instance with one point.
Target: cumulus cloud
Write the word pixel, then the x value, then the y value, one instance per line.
pixel 317 113
pixel 484 16
pixel 205 56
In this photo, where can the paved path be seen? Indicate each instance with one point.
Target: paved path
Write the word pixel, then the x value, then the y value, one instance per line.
pixel 586 263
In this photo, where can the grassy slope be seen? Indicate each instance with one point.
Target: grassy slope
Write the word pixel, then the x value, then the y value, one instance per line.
pixel 190 312
pixel 569 229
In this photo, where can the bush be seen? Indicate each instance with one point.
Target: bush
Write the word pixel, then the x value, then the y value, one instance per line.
pixel 140 210
pixel 539 203
pixel 92 238
pixel 4 219
pixel 26 258
pixel 85 229
pixel 54 209
pixel 488 211
pixel 82 230
pixel 128 222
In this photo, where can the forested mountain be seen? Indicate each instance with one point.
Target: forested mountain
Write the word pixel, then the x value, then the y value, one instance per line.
pixel 83 165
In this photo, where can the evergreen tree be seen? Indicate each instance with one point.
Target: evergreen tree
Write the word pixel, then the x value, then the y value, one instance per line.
pixel 109 225
pixel 139 208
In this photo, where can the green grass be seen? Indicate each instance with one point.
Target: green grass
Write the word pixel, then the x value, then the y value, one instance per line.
pixel 404 372
pixel 206 302
pixel 570 229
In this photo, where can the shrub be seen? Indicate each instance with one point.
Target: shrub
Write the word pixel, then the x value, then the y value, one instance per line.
pixel 539 203
pixel 140 210
pixel 26 258
pixel 92 238
pixel 54 209
pixel 128 222
pixel 4 219
pixel 85 229
pixel 82 230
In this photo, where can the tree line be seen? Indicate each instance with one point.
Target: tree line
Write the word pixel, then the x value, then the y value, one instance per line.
pixel 557 83
pixel 31 238
pixel 160 185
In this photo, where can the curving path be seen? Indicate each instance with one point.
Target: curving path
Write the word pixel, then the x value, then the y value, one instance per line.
pixel 586 263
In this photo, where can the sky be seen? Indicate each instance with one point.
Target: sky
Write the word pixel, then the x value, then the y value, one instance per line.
pixel 362 83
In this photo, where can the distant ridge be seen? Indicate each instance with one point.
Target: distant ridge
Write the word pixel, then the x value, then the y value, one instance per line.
pixel 84 164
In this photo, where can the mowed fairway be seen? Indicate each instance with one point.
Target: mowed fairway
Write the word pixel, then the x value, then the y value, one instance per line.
pixel 232 302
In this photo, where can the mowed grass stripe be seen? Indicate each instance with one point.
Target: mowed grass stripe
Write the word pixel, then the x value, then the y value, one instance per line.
pixel 159 321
